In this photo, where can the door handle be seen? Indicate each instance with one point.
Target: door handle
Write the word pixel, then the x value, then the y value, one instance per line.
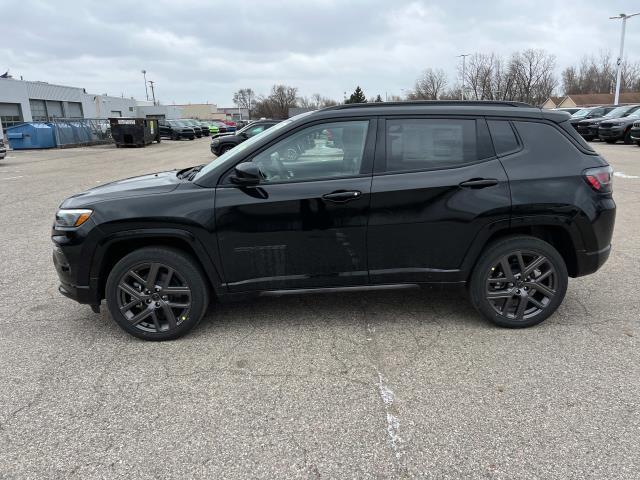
pixel 342 196
pixel 479 183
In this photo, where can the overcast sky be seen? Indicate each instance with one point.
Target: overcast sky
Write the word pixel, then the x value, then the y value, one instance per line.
pixel 199 51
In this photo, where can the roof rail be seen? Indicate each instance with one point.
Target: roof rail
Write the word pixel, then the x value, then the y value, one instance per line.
pixel 434 103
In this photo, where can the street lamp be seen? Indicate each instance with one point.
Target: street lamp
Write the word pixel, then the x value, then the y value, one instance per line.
pixel 464 57
pixel 619 72
pixel 146 92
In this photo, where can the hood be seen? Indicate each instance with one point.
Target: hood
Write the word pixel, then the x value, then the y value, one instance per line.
pixel 620 120
pixel 151 184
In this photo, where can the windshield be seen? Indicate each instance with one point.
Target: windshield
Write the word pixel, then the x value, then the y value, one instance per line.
pixel 582 113
pixel 236 151
pixel 618 112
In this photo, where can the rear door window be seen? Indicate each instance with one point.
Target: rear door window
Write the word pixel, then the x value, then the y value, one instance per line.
pixel 504 138
pixel 424 144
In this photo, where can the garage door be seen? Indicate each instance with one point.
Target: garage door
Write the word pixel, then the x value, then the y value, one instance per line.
pixel 10 114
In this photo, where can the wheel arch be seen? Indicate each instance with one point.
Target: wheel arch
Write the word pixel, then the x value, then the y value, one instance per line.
pixel 559 233
pixel 118 245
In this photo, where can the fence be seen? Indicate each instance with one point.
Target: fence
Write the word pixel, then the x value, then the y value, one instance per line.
pixel 81 131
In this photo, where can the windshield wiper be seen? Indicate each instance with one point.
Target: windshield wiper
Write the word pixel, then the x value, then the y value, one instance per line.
pixel 188 172
pixel 194 171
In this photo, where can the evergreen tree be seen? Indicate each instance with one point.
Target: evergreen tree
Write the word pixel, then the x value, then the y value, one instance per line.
pixel 357 96
pixel 378 99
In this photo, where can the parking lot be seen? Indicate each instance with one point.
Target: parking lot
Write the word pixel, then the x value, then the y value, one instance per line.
pixel 391 384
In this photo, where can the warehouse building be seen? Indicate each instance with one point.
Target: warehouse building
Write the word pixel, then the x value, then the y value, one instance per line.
pixel 26 101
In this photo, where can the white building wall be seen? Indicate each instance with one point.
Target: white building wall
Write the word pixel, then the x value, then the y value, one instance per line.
pixel 15 91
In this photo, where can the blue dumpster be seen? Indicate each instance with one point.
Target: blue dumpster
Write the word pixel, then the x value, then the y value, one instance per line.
pixel 31 135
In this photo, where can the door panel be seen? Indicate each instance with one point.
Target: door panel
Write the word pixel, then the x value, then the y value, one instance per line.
pixel 288 236
pixel 423 222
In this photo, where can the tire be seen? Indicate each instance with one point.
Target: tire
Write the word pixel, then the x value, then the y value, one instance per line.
pixel 588 138
pixel 174 313
pixel 638 143
pixel 627 138
pixel 175 136
pixel 225 148
pixel 610 141
pixel 512 304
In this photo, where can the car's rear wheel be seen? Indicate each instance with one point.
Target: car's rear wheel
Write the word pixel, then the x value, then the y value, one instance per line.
pixel 518 282
pixel 157 293
pixel 627 138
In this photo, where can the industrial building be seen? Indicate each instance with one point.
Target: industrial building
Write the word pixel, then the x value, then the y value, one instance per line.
pixel 26 101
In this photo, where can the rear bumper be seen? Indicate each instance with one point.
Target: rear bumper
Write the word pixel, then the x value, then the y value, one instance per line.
pixel 589 262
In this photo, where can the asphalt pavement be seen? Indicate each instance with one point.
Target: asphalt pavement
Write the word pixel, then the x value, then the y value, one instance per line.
pixel 386 384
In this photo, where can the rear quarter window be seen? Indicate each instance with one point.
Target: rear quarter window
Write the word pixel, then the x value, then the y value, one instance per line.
pixel 545 141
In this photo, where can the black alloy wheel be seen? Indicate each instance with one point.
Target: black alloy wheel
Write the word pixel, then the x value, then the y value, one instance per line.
pixel 153 297
pixel 518 282
pixel 521 285
pixel 157 293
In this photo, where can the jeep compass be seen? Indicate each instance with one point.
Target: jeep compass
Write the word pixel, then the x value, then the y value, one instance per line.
pixel 503 198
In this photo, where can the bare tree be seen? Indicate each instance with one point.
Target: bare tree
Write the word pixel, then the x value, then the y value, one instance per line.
pixel 316 101
pixel 244 98
pixel 598 75
pixel 429 86
pixel 278 103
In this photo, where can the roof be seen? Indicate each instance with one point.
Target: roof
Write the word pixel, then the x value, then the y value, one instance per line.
pixel 586 99
pixel 557 100
pixel 488 108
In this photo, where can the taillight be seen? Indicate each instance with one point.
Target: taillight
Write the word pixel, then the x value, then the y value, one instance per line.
pixel 600 179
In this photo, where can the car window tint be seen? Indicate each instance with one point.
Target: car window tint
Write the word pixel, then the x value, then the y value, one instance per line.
pixel 418 144
pixel 328 150
pixel 255 130
pixel 503 136
pixel 545 141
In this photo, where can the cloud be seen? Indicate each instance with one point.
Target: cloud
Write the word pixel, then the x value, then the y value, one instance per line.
pixel 200 51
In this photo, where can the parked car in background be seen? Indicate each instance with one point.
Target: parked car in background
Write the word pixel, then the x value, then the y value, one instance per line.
pixel 176 129
pixel 216 127
pixel 613 130
pixel 224 143
pixel 569 110
pixel 193 124
pixel 242 123
pixel 635 132
pixel 204 126
pixel 588 129
pixel 3 148
pixel 505 199
pixel 589 113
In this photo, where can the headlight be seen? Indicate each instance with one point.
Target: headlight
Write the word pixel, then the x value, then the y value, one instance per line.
pixel 215 141
pixel 72 218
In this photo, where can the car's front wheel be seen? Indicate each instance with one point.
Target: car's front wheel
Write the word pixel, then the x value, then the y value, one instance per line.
pixel 518 282
pixel 157 293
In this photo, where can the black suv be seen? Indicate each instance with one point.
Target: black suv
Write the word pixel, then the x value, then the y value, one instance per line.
pixel 176 129
pixel 223 143
pixel 613 129
pixel 589 113
pixel 502 197
pixel 589 128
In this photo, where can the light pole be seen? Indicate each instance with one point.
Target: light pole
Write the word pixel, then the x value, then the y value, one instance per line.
pixel 146 92
pixel 464 57
pixel 153 92
pixel 619 72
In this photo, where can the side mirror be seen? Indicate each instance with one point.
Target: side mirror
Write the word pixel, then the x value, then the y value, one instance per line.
pixel 247 174
pixel 243 135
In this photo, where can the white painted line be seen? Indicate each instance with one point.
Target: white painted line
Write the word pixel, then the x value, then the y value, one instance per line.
pixel 12 178
pixel 624 175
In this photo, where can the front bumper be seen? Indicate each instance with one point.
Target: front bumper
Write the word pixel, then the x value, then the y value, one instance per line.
pixel 68 280
pixel 587 131
pixel 613 133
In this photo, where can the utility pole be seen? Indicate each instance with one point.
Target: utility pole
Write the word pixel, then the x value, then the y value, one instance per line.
pixel 153 92
pixel 146 91
pixel 620 57
pixel 464 57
